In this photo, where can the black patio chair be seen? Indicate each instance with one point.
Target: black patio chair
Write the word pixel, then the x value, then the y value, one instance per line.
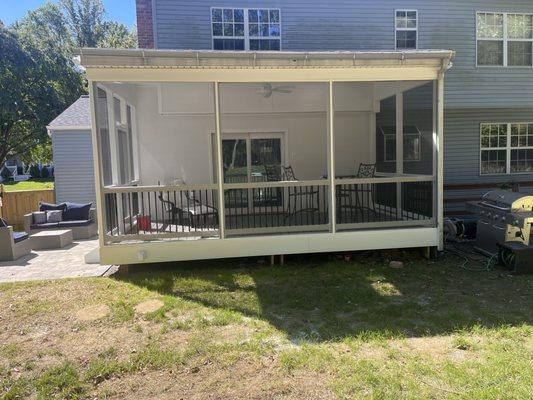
pixel 352 198
pixel 301 199
pixel 193 212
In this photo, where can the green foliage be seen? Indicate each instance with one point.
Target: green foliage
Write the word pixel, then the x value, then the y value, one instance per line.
pixel 84 19
pixel 118 36
pixel 36 84
pixel 35 172
pixel 41 153
pixel 45 173
pixel 38 78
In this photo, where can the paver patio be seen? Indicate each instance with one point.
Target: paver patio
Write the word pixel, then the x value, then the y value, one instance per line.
pixel 68 262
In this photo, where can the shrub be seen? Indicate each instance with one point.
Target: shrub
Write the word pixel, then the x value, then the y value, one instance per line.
pixel 45 173
pixel 35 172
pixel 6 174
pixel 20 170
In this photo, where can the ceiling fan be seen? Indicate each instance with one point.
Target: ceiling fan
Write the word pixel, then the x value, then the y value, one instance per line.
pixel 267 89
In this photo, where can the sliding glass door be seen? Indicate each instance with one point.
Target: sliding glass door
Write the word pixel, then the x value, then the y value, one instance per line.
pixel 250 158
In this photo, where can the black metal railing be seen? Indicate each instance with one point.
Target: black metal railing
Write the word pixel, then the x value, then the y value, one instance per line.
pixel 377 202
pixel 160 212
pixel 276 205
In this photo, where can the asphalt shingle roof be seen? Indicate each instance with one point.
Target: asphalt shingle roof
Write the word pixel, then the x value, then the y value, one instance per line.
pixel 77 115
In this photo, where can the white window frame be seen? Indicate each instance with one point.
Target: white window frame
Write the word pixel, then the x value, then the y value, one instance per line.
pixel 505 40
pixel 407 135
pixel 246 36
pixel 508 149
pixel 396 29
pixel 123 125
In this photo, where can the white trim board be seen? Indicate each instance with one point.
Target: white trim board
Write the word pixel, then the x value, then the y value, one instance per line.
pixel 181 250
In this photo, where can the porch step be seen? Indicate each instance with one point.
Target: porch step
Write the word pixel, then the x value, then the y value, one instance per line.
pixel 93 257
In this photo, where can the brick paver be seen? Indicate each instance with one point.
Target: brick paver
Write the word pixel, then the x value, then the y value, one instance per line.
pixel 68 262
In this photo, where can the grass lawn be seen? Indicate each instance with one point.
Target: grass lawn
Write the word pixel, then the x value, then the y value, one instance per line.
pixel 317 328
pixel 28 185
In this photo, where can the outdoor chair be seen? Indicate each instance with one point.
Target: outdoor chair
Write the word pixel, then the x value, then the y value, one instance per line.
pixel 192 212
pixel 13 245
pixel 358 197
pixel 301 199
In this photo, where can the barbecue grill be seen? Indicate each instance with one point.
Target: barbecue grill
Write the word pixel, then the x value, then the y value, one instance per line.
pixel 504 217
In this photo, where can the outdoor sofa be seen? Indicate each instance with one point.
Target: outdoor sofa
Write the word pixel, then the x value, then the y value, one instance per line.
pixel 79 218
pixel 13 245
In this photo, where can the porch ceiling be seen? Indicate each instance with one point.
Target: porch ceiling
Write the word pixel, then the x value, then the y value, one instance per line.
pixel 223 66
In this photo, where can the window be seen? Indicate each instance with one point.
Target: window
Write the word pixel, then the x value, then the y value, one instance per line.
pixel 411 143
pixel 406 29
pixel 504 39
pixel 506 148
pixel 103 130
pixel 246 29
pixel 253 157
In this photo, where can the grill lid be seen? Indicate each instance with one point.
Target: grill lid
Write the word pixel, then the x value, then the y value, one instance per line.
pixel 508 201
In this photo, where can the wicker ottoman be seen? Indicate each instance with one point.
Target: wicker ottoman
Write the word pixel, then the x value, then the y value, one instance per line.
pixel 53 239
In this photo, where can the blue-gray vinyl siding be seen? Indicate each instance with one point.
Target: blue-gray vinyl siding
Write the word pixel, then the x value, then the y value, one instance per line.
pixel 369 25
pixel 462 143
pixel 73 161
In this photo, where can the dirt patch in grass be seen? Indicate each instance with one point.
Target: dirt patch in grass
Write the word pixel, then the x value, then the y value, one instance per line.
pixel 245 379
pixel 92 313
pixel 149 306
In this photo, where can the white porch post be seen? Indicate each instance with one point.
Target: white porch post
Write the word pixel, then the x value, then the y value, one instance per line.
pixel 115 161
pixel 399 152
pixel 100 197
pixel 219 164
pixel 331 172
pixel 440 151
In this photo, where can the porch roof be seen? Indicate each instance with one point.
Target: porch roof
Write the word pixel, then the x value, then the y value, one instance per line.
pixel 202 59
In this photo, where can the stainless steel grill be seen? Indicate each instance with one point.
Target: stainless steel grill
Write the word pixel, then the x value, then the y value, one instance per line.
pixel 504 216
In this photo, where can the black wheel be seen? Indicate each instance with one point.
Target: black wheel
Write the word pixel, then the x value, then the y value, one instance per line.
pixel 507 258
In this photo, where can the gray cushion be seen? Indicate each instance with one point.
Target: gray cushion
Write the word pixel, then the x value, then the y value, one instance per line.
pixel 48 225
pixel 19 236
pixel 73 224
pixel 39 217
pixel 54 216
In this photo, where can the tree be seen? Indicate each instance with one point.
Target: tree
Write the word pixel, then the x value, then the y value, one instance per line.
pixel 35 86
pixel 85 21
pixel 118 36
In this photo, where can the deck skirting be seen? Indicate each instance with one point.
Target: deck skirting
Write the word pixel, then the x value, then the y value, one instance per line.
pixel 163 251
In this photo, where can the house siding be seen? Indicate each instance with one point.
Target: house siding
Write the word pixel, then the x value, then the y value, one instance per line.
pixel 74 171
pixel 369 25
pixel 462 143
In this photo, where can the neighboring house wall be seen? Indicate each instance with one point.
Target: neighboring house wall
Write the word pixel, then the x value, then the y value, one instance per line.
pixel 73 160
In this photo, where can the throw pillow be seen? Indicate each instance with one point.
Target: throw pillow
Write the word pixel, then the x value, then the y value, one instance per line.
pixel 54 216
pixel 77 212
pixel 39 217
pixel 48 206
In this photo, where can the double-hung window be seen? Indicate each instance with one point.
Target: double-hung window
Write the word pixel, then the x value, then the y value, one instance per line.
pixel 506 148
pixel 504 39
pixel 246 28
pixel 406 29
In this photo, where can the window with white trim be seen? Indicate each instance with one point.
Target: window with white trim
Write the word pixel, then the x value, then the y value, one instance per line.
pixel 504 39
pixel 406 23
pixel 411 143
pixel 246 28
pixel 506 148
